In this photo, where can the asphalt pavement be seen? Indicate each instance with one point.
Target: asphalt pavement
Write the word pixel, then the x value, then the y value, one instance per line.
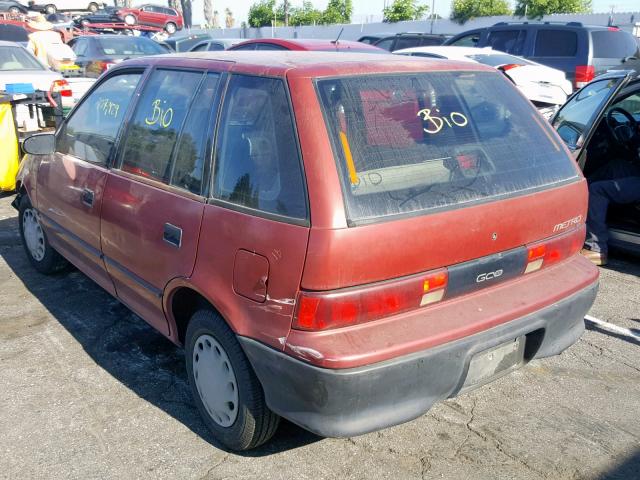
pixel 88 390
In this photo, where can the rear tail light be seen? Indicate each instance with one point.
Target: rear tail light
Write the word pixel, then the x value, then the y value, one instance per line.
pixel 509 66
pixel 555 249
pixel 62 87
pixel 322 311
pixel 103 66
pixel 584 74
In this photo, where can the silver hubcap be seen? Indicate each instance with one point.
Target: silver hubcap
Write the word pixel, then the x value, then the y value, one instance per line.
pixel 215 380
pixel 33 234
pixel 171 28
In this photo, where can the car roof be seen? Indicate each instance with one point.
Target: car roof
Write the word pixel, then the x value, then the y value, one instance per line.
pixel 7 43
pixel 310 43
pixel 303 64
pixel 451 50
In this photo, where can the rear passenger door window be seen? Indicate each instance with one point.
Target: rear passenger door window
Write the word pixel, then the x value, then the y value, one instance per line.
pixel 158 119
pixel 470 40
pixel 406 42
pixel 508 41
pixel 257 162
pixel 189 169
pixel 556 43
pixel 269 46
pixel 385 44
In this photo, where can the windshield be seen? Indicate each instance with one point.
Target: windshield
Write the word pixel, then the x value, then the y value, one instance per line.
pixel 578 114
pixel 497 60
pixel 428 141
pixel 17 58
pixel 129 46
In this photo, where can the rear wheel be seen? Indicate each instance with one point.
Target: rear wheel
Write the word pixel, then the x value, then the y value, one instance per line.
pixel 50 9
pixel 93 7
pixel 130 19
pixel 224 385
pixel 170 28
pixel 14 10
pixel 34 240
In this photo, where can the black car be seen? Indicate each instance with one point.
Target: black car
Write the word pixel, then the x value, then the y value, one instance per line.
pixel 15 8
pixel 374 37
pixel 581 51
pixel 410 40
pixel 106 15
pixel 14 33
pixel 97 53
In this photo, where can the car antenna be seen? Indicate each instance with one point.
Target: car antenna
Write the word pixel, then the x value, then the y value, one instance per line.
pixel 335 42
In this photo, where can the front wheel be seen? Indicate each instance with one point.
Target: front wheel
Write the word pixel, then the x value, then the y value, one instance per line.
pixel 170 28
pixel 14 11
pixel 50 9
pixel 130 19
pixel 93 7
pixel 224 385
pixel 34 240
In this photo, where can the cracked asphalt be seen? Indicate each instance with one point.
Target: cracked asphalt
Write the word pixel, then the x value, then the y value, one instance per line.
pixel 88 390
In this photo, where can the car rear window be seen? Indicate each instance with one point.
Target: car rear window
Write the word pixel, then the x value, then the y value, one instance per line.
pixel 129 46
pixel 17 58
pixel 417 143
pixel 556 43
pixel 613 44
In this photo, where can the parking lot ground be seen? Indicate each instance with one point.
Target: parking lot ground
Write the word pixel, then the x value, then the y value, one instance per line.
pixel 88 390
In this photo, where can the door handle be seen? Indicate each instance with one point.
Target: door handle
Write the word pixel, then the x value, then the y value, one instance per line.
pixel 172 235
pixel 87 197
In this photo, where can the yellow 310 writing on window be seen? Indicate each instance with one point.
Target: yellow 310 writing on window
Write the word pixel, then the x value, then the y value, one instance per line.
pixel 436 121
pixel 159 115
pixel 108 108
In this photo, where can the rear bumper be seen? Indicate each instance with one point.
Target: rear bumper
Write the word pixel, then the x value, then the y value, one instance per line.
pixel 354 401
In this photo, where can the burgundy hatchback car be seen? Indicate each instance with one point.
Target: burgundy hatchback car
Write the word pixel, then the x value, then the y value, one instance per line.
pixel 338 239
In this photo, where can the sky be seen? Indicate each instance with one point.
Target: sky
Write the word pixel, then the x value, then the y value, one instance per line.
pixel 371 10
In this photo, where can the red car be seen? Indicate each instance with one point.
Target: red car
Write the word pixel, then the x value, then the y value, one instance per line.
pixel 153 15
pixel 338 239
pixel 306 44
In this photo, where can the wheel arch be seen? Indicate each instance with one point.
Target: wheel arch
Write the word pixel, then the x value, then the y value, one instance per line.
pixel 181 300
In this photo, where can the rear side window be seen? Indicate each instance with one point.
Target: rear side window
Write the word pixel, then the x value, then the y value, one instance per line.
pixel 508 41
pixel 386 43
pixel 468 40
pixel 90 132
pixel 556 43
pixel 156 123
pixel 406 42
pixel 613 44
pixel 422 142
pixel 257 162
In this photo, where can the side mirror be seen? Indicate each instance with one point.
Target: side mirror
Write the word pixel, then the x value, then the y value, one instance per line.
pixel 40 144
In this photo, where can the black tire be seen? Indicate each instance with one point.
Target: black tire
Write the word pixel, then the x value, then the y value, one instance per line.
pixel 255 424
pixel 171 28
pixel 50 9
pixel 52 261
pixel 93 7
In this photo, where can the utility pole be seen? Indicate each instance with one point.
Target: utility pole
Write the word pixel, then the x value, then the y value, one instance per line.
pixel 433 14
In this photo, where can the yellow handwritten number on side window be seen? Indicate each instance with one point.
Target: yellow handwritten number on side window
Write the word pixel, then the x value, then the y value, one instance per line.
pixel 436 121
pixel 160 116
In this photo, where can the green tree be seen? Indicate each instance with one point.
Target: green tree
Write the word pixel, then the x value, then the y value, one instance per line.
pixel 261 13
pixel 306 15
pixel 538 8
pixel 402 10
pixel 338 11
pixel 465 10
